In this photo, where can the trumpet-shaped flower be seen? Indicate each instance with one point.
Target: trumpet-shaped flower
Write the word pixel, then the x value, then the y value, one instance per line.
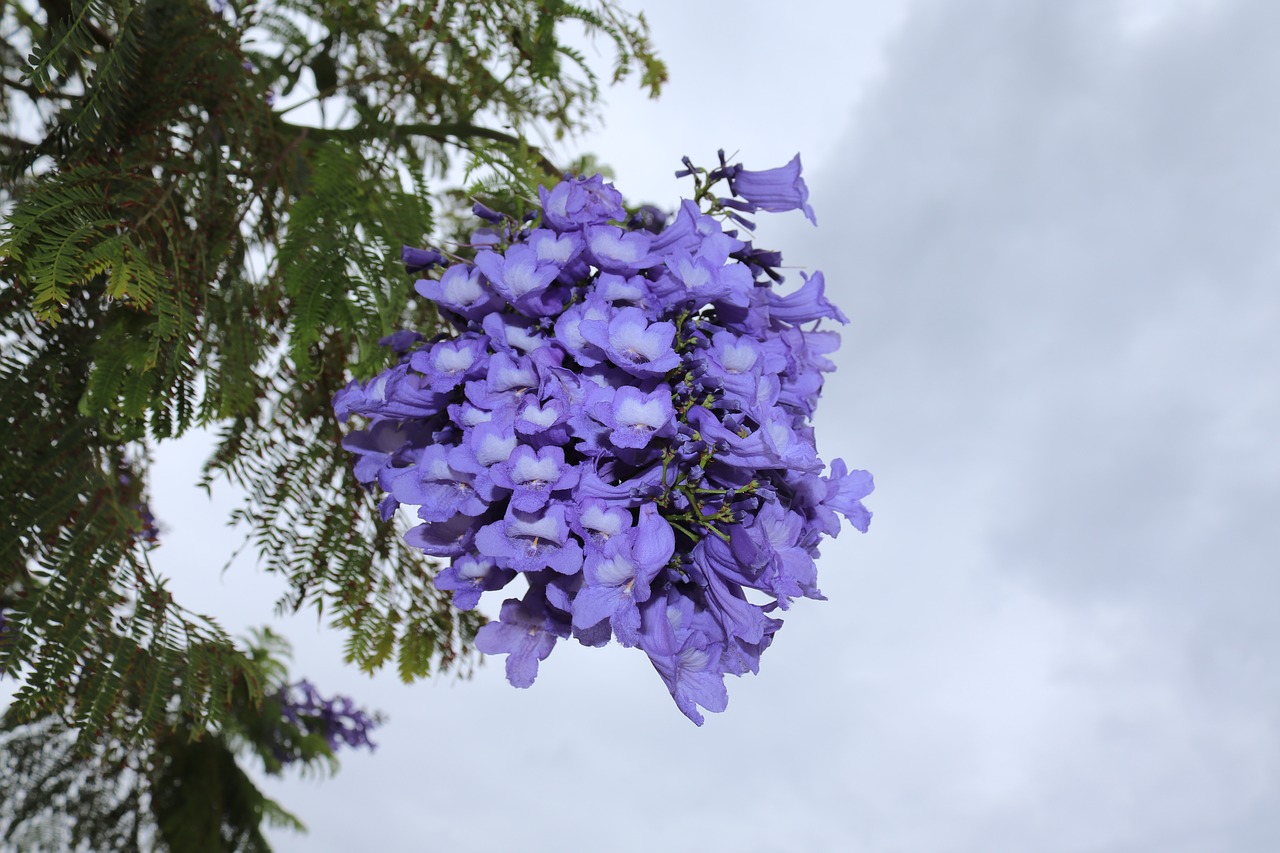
pixel 773 190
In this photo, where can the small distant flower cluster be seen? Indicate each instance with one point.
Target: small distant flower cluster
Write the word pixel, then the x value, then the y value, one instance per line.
pixel 337 720
pixel 621 416
pixel 147 531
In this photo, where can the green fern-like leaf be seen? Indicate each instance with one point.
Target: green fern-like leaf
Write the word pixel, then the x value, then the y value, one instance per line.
pixel 67 42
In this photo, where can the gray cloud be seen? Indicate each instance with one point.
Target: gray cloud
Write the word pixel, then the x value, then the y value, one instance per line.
pixel 1060 236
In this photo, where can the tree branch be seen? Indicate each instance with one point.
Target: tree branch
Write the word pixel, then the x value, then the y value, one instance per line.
pixel 30 91
pixel 14 142
pixel 457 131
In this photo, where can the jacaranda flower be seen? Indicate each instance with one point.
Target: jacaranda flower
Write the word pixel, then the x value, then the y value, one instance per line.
pixel 619 413
pixel 337 720
pixel 773 190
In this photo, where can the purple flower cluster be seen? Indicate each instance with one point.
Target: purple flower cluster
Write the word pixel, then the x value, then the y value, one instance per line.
pixel 337 720
pixel 147 531
pixel 621 415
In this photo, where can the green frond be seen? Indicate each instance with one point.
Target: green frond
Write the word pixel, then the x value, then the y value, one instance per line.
pixel 99 113
pixel 65 43
pixel 630 36
pixel 277 817
pixel 339 257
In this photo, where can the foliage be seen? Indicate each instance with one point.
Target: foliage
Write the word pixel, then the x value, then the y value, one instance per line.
pixel 180 250
pixel 185 790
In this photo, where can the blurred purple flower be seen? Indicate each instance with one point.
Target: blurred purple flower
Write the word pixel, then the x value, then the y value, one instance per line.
pixel 338 720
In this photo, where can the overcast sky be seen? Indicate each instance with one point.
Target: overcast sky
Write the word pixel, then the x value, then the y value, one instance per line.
pixel 1054 226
